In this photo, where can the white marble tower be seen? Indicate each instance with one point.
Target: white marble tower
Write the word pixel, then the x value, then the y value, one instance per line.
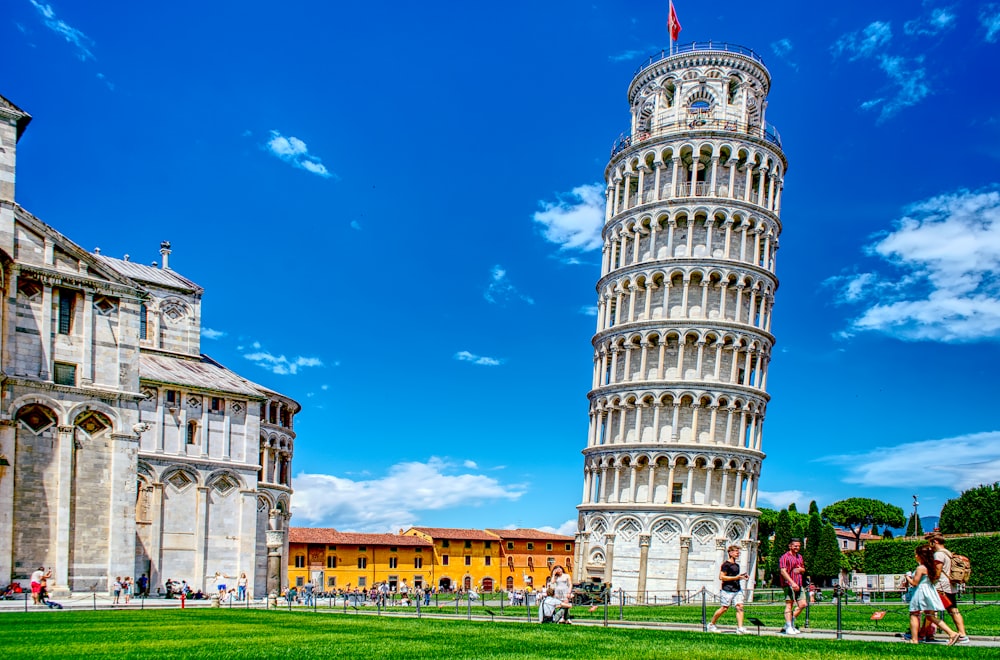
pixel 683 337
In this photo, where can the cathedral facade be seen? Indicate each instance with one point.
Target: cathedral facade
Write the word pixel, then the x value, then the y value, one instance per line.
pixel 123 449
pixel 683 337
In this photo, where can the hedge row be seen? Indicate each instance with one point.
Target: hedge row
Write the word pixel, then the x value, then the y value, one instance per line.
pixel 896 556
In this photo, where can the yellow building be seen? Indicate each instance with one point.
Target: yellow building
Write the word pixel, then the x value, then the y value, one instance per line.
pixel 428 557
pixel 528 556
pixel 333 560
pixel 464 558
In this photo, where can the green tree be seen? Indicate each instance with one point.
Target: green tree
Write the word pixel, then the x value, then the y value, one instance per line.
pixel 827 559
pixel 792 509
pixel 813 508
pixel 782 537
pixel 765 528
pixel 975 510
pixel 812 535
pixel 857 513
pixel 887 534
pixel 913 526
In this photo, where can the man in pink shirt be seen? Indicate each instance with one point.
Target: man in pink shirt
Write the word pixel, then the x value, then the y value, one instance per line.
pixel 793 569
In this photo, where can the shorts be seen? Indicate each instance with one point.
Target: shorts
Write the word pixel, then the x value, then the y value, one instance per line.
pixel 950 600
pixel 730 598
pixel 792 595
pixel 222 587
pixel 36 587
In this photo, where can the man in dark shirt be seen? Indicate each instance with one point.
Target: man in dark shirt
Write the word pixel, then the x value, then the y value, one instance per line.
pixel 731 594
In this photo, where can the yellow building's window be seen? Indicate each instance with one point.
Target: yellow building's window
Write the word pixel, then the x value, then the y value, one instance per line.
pixel 531 546
pixel 300 561
pixel 393 562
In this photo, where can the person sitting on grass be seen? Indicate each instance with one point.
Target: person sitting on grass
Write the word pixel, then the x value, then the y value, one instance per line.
pixel 551 609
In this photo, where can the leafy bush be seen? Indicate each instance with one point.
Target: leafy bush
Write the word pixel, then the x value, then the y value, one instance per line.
pixel 975 510
pixel 896 556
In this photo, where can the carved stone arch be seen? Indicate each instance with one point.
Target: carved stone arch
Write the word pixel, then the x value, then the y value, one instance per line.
pixel 628 528
pixel 282 504
pixel 36 417
pixel 666 529
pixel 598 525
pixel 624 461
pixel 264 502
pixel 180 477
pixel 174 309
pixel 94 423
pixel 596 557
pixel 225 482
pixel 735 532
pixel 704 530
pixel 52 404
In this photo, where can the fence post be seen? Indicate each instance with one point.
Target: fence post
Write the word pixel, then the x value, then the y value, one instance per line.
pixel 973 595
pixel 95 601
pixel 527 604
pixel 621 604
pixel 840 604
pixel 704 610
pixel 469 596
pixel 607 602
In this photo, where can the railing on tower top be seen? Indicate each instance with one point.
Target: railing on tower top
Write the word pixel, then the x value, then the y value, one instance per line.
pixel 767 132
pixel 696 46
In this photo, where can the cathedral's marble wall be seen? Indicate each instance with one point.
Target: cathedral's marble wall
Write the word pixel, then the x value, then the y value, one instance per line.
pixel 8 152
pixel 91 512
pixel 36 471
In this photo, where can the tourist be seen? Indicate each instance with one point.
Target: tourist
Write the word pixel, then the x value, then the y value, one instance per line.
pixel 924 598
pixel 127 587
pixel 116 589
pixel 792 568
pixel 551 609
pixel 562 585
pixel 219 580
pixel 731 594
pixel 946 590
pixel 43 595
pixel 36 582
pixel 241 587
pixel 143 584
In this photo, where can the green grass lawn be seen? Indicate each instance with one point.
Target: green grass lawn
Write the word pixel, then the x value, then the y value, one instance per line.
pixel 205 633
pixel 979 620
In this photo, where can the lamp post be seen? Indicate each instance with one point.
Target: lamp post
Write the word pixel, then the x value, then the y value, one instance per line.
pixel 916 520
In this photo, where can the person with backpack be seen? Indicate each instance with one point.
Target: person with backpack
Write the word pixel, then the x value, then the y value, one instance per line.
pixel 954 571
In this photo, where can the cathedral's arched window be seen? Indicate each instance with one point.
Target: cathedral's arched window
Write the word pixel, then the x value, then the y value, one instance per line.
pixel 143 321
pixel 192 432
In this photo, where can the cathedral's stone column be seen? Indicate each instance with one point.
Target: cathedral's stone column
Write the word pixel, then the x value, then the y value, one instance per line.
pixel 8 441
pixel 156 538
pixel 87 369
pixel 200 538
pixel 609 556
pixel 275 542
pixel 643 561
pixel 122 496
pixel 682 565
pixel 64 511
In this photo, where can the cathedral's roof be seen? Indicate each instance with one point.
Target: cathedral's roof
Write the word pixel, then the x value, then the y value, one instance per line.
pixel 529 535
pixel 200 371
pixel 22 117
pixel 150 274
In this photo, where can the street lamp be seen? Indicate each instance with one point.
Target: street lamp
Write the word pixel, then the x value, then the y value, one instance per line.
pixel 915 518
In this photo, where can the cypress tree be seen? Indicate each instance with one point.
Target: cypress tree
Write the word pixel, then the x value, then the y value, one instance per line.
pixel 782 537
pixel 813 539
pixel 913 527
pixel 813 508
pixel 826 561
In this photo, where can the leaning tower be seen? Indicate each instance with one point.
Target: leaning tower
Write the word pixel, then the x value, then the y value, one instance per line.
pixel 683 337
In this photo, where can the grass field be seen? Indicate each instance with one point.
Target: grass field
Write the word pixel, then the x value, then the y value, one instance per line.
pixel 979 620
pixel 205 633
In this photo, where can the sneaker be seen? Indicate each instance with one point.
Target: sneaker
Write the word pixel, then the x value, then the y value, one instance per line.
pixel 907 636
pixel 792 630
pixel 964 640
pixel 713 628
pixel 743 631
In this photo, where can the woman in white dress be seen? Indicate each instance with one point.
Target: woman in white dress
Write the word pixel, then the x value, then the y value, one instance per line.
pixel 925 598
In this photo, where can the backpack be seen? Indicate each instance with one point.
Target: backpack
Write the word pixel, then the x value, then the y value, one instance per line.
pixel 961 568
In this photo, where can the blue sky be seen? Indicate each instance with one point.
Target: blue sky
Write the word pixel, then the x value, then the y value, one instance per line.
pixel 392 208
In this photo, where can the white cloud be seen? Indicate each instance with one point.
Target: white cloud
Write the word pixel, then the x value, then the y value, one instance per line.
pixel 393 501
pixel 355 225
pixel 78 39
pixel 470 464
pixel 568 528
pixel 782 48
pixel 864 43
pixel 589 310
pixel 939 20
pixel 294 151
pixel 942 272
pixel 627 55
pixel 908 77
pixel 466 356
pixel 780 499
pixel 989 18
pixel 209 333
pixel 575 221
pixel 279 364
pixel 957 463
pixel 500 290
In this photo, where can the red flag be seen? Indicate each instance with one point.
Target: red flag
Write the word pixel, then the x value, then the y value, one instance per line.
pixel 673 25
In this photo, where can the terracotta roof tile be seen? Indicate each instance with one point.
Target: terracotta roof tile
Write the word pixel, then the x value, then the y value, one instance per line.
pixel 529 535
pixel 330 536
pixel 456 534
